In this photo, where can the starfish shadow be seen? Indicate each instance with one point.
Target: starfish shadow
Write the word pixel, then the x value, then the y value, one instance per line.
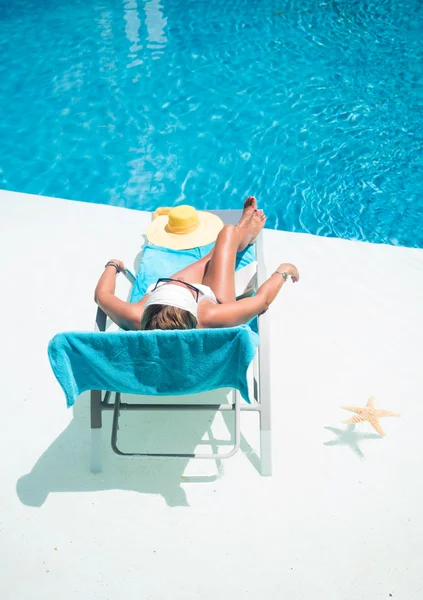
pixel 350 437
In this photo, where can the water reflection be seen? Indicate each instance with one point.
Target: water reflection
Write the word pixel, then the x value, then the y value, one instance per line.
pixel 156 23
pixel 132 25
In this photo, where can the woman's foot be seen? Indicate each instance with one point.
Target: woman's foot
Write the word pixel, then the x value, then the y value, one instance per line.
pixel 257 222
pixel 253 226
pixel 250 205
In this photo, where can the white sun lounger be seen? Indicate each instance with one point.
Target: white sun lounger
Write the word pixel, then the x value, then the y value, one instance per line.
pixel 251 276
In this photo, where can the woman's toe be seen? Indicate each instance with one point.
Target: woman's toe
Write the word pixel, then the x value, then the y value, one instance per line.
pixel 250 201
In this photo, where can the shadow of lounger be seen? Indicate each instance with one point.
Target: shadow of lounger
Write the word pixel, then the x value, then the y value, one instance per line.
pixel 64 466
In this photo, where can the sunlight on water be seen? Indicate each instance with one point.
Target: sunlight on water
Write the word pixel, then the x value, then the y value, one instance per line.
pixel 314 107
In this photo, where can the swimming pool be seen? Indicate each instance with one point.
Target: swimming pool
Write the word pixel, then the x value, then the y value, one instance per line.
pixel 315 107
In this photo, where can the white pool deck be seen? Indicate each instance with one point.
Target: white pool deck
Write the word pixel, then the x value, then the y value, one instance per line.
pixel 341 518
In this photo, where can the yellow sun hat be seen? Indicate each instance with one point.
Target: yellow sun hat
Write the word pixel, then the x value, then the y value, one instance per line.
pixel 183 227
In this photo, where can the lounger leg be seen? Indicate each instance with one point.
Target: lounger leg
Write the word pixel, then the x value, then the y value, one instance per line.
pixel 266 452
pixel 96 423
pixel 265 426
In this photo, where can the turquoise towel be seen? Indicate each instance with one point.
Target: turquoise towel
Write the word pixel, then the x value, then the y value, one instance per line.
pixel 159 363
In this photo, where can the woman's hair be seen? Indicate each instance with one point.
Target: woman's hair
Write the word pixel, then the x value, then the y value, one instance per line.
pixel 161 316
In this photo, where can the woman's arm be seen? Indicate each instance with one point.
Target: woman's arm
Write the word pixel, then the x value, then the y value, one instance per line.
pixel 242 311
pixel 125 314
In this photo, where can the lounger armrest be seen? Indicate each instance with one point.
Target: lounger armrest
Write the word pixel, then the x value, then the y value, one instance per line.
pixel 130 277
pixel 100 320
pixel 261 268
pixel 246 280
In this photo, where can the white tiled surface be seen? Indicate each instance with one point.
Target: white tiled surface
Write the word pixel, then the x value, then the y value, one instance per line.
pixel 330 524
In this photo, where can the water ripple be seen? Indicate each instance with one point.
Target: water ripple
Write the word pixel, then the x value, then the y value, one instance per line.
pixel 315 107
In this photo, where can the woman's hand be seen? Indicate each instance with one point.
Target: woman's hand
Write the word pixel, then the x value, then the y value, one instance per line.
pixel 119 263
pixel 290 269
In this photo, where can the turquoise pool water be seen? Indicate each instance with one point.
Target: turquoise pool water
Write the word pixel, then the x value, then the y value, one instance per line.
pixel 315 107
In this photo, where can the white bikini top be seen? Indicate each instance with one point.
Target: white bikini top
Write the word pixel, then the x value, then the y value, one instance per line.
pixel 179 296
pixel 207 294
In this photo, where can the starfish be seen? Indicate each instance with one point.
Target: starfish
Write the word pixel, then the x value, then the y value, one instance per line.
pixel 370 414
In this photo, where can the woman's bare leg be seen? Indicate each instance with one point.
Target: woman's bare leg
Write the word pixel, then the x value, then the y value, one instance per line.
pixel 195 272
pixel 220 271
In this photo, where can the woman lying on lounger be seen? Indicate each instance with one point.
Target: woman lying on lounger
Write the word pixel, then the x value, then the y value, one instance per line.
pixel 181 302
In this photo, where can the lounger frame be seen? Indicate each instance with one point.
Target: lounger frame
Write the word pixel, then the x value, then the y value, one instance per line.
pixel 101 400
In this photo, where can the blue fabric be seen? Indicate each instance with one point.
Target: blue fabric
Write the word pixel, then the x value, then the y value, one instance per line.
pixel 159 363
pixel 153 362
